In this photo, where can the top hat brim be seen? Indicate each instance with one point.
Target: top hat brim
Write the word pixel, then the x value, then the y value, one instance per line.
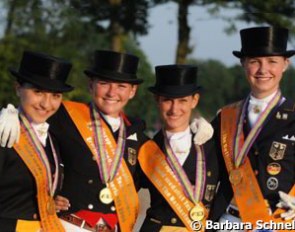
pixel 175 91
pixel 43 83
pixel 240 54
pixel 113 76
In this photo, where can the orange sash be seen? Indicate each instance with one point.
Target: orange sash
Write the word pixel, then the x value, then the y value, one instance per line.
pixel 46 206
pixel 247 193
pixel 28 226
pixel 153 163
pixel 122 186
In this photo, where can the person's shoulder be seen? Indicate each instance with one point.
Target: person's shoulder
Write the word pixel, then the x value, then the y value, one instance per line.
pixel 285 113
pixel 136 122
pixel 137 126
pixel 288 105
pixel 73 104
pixel 233 104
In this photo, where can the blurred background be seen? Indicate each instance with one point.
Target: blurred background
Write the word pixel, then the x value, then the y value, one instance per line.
pixel 201 32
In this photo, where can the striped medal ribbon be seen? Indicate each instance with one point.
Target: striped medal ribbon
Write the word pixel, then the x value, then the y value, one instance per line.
pixel 196 192
pixel 241 150
pixel 241 147
pixel 107 167
pixel 51 180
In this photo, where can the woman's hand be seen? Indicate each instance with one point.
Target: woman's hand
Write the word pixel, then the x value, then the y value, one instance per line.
pixel 61 203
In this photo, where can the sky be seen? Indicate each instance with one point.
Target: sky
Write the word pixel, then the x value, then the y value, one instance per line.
pixel 207 36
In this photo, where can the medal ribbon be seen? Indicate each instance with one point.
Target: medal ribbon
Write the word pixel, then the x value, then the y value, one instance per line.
pixel 107 167
pixel 194 193
pixel 247 191
pixel 122 184
pixel 51 184
pixel 241 149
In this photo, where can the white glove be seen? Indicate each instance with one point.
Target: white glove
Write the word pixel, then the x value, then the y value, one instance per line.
pixel 9 126
pixel 202 129
pixel 287 202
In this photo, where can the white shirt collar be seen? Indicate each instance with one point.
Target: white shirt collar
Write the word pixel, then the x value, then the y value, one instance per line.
pixel 257 106
pixel 262 100
pixel 180 143
pixel 178 135
pixel 113 122
pixel 41 130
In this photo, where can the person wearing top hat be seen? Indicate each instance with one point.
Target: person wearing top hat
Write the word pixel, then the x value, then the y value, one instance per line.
pixel 180 172
pixel 99 146
pixel 257 137
pixel 94 189
pixel 31 171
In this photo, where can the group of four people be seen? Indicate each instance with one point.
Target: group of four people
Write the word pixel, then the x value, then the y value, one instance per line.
pixel 90 162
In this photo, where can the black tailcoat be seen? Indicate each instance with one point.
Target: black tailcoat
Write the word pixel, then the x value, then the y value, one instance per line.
pixel 82 182
pixel 18 193
pixel 274 144
pixel 160 213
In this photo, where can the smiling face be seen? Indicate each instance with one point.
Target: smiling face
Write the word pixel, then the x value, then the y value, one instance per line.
pixel 176 112
pixel 111 97
pixel 264 74
pixel 38 104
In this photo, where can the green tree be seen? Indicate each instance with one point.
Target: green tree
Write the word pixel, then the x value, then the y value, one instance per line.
pixel 288 83
pixel 143 105
pixel 116 18
pixel 66 33
pixel 275 13
pixel 220 85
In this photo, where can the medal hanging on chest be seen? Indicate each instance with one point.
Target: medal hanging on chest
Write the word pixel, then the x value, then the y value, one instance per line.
pixel 241 146
pixel 196 192
pixel 51 179
pixel 108 167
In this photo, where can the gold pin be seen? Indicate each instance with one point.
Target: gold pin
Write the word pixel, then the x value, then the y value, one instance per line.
pixel 256 109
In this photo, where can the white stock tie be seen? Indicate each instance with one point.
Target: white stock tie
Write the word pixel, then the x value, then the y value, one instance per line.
pixel 180 143
pixel 256 107
pixel 41 131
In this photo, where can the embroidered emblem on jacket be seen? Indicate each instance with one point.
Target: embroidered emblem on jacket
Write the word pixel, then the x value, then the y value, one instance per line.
pixel 132 156
pixel 277 150
pixel 210 191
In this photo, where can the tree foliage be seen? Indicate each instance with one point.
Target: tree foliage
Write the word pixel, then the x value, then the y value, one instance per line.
pixel 275 13
pixel 74 29
pixel 116 18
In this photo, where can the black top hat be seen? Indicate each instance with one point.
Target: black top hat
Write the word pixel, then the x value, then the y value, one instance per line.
pixel 114 66
pixel 264 41
pixel 44 71
pixel 175 81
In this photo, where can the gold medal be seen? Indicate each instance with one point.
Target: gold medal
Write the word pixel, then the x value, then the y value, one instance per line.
pixel 235 176
pixel 105 196
pixel 197 213
pixel 51 206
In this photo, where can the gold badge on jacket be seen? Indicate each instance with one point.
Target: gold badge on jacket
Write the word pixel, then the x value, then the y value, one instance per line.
pixel 273 168
pixel 277 150
pixel 132 156
pixel 209 193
